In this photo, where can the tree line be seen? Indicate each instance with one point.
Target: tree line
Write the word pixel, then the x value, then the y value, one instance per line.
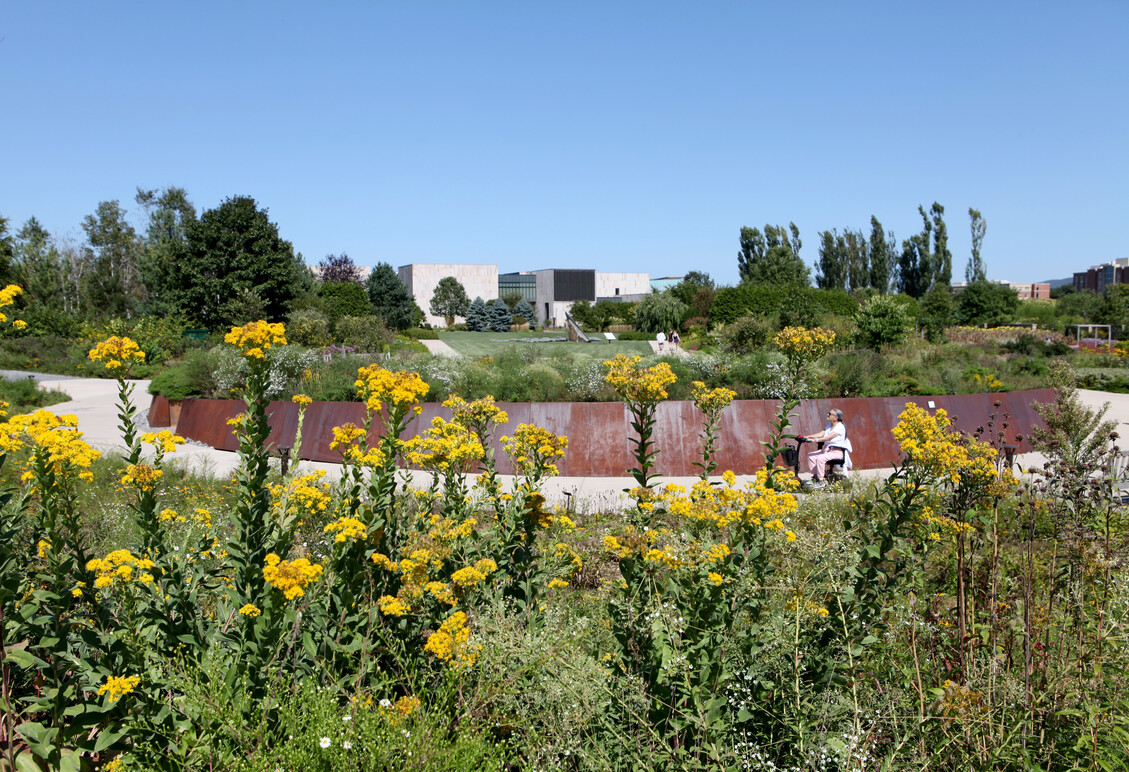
pixel 855 260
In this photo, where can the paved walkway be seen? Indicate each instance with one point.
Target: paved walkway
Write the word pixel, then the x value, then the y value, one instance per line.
pixel 94 403
pixel 439 348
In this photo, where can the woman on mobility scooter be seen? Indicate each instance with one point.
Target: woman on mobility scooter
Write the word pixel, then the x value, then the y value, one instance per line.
pixel 836 447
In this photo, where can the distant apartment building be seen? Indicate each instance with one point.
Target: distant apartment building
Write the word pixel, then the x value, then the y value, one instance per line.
pixel 421 279
pixel 1024 290
pixel 1098 277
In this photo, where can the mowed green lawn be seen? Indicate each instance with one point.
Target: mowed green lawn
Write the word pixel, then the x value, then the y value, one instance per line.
pixel 482 344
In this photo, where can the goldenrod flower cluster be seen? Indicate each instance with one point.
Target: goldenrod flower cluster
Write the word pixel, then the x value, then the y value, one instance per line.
pixel 350 441
pixel 725 505
pixel 143 476
pixel 711 401
pixel 472 575
pixel 301 400
pixel 118 686
pixel 203 518
pixel 534 450
pixel 987 382
pixel 451 643
pixel 931 448
pixel 562 551
pixel 400 389
pixel 348 529
pixel 52 437
pixel 169 515
pixel 936 524
pixel 43 547
pixel 476 415
pixel 392 606
pixel 800 344
pixel 445 530
pixel 8 296
pixel 164 439
pixel 254 339
pixel 117 353
pixel 415 569
pixel 290 576
pixel 307 493
pixel 250 610
pixel 445 447
pixel 119 566
pixel 636 385
pixel 633 541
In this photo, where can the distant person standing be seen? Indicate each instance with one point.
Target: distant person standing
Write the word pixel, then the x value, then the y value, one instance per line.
pixel 661 340
pixel 675 339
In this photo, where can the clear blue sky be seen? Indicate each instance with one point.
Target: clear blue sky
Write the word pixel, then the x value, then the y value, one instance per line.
pixel 614 135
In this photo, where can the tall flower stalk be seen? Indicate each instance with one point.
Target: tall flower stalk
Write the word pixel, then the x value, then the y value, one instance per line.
pixel 641 389
pixel 712 403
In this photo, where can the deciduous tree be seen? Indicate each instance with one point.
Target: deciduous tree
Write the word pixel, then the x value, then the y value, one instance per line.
pixel 112 286
pixel 882 249
pixel 772 257
pixel 985 302
pixel 338 269
pixel 976 270
pixel 659 312
pixel 449 300
pixel 169 213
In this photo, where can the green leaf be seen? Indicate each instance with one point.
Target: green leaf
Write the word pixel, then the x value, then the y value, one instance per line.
pixel 108 738
pixel 23 660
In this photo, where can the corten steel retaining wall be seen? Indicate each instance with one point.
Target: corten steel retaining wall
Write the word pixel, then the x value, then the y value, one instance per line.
pixel 599 432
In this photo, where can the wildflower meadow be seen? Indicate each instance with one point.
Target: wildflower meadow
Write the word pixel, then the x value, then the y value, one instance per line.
pixel 954 615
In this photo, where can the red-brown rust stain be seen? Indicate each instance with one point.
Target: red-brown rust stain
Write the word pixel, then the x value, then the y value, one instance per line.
pixel 601 437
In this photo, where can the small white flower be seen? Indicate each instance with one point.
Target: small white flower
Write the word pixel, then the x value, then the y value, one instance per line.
pixel 347 718
pixel 386 703
pixel 325 742
pixel 347 745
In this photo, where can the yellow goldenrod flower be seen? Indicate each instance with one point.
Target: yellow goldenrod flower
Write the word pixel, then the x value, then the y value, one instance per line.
pixel 451 643
pixel 117 353
pixel 254 338
pixel 347 529
pixel 118 686
pixel 291 577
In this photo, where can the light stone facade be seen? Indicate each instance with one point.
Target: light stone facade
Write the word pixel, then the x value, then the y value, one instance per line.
pixel 421 280
pixel 610 285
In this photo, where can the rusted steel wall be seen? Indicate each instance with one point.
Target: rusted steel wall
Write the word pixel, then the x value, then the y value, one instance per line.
pixel 159 416
pixel 600 432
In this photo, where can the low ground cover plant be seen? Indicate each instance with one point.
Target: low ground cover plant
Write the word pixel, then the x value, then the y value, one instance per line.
pixel 950 616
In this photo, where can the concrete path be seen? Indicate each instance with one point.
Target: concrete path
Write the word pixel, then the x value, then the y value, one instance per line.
pixel 667 350
pixel 94 403
pixel 439 348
